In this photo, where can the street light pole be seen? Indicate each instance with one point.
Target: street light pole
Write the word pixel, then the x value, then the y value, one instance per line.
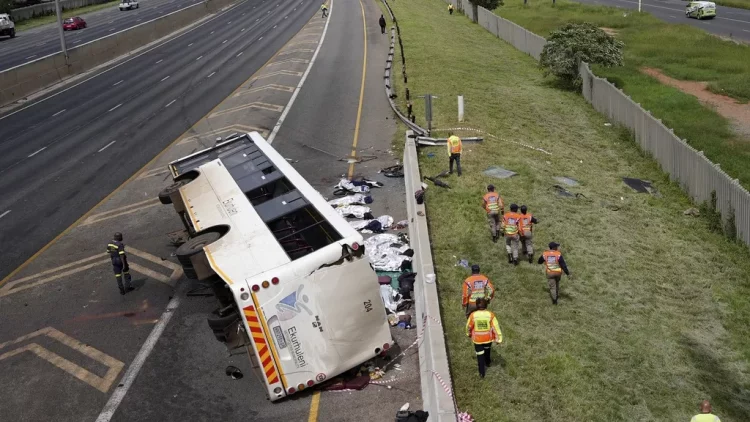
pixel 639 6
pixel 60 30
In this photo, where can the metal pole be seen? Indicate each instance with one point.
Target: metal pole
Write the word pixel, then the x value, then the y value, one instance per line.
pixel 428 111
pixel 639 6
pixel 60 30
pixel 460 108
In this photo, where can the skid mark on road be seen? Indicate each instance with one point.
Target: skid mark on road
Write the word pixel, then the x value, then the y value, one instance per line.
pixel 100 383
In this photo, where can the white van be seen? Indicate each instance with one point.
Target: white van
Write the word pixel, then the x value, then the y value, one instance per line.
pixel 290 272
pixel 7 26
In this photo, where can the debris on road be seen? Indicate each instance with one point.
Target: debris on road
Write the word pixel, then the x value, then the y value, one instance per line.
pixel 355 211
pixel 356 199
pixel 373 225
pixel 641 186
pixel 393 171
pixel 692 211
pixel 386 252
pixel 437 182
pixel 234 372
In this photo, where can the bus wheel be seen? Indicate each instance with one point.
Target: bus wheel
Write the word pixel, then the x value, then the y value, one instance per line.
pixel 165 196
pixel 193 258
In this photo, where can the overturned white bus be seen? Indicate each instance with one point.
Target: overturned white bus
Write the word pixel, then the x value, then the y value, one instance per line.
pixel 295 287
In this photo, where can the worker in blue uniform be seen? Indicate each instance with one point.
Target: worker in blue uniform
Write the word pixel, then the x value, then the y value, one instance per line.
pixel 116 251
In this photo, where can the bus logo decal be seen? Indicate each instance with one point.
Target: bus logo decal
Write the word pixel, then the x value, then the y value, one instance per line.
pixel 293 304
pixel 264 352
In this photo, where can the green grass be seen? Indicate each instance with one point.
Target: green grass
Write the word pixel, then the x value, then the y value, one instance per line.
pixel 741 4
pixel 43 20
pixel 672 48
pixel 657 316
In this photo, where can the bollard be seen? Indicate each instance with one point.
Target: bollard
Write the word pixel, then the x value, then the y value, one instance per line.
pixel 460 108
pixel 409 109
pixel 413 118
pixel 407 94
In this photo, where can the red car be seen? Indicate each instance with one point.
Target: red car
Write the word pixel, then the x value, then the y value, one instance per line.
pixel 70 24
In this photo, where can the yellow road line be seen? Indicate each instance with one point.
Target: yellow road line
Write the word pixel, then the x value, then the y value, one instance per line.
pixel 314 404
pixel 361 92
pixel 134 176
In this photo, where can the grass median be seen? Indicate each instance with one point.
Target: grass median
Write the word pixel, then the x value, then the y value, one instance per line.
pixel 657 316
pixel 68 13
pixel 682 52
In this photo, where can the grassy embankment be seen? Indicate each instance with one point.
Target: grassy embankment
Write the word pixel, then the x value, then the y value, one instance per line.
pixel 741 4
pixel 657 316
pixel 680 51
pixel 43 20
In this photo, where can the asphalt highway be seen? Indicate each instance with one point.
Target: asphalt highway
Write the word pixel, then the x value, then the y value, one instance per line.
pixel 729 21
pixel 42 41
pixel 63 153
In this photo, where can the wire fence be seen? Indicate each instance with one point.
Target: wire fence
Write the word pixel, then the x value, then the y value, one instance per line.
pixel 701 179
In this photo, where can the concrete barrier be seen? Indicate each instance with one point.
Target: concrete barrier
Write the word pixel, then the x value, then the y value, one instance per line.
pixel 19 82
pixel 437 389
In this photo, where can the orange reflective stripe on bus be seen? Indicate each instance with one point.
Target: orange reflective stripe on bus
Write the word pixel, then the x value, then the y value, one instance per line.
pixel 264 351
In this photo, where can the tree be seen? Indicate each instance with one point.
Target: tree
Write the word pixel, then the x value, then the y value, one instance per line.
pixel 572 43
pixel 488 4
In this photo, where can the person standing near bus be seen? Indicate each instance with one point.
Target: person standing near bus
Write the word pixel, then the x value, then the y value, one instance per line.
pixel 482 328
pixel 116 251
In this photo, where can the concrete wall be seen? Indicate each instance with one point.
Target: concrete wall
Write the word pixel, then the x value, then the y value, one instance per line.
pixel 21 81
pixel 24 13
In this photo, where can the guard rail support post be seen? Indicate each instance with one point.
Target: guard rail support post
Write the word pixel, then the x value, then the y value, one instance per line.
pixel 437 393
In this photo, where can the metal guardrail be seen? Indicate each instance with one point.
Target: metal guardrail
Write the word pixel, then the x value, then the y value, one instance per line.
pixel 437 387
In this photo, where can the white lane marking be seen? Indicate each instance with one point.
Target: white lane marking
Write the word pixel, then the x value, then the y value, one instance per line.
pixel 139 20
pixel 243 14
pixel 33 154
pixel 239 54
pixel 257 20
pixel 42 43
pixel 107 146
pixel 286 17
pixel 673 17
pixel 229 23
pixel 115 107
pixel 118 83
pixel 160 60
pixel 274 26
pixel 746 30
pixel 301 81
pixel 211 32
pixel 5 213
pixel 111 29
pixel 165 78
pixel 30 57
pixel 212 74
pixel 260 38
pixel 170 103
pixel 59 112
pixel 190 44
pixel 76 41
pixel 242 30
pixel 110 21
pixel 223 42
pixel 121 63
pixel 198 58
pixel 127 380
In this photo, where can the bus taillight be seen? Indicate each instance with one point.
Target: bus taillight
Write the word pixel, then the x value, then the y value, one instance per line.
pixel 292 390
pixel 256 287
pixel 310 383
pixel 386 346
pixel 275 280
pixel 355 246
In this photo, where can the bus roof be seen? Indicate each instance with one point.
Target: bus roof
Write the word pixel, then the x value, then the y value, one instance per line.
pixel 275 216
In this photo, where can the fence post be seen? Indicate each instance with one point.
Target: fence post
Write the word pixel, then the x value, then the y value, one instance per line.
pixel 460 108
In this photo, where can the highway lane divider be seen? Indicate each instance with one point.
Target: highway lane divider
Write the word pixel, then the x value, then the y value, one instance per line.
pixel 19 82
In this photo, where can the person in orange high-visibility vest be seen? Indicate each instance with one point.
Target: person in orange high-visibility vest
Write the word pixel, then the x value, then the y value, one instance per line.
pixel 526 226
pixel 476 286
pixel 511 231
pixel 455 147
pixel 493 204
pixel 482 328
pixel 554 266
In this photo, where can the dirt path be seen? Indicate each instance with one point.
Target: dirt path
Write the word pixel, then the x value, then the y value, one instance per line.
pixel 738 114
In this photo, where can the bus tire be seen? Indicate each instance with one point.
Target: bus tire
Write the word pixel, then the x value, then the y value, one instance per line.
pixel 166 193
pixel 191 249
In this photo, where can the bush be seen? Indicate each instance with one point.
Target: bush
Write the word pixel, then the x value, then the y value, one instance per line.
pixel 575 42
pixel 488 4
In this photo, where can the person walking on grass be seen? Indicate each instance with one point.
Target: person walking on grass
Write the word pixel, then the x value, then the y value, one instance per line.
pixel 483 329
pixel 705 415
pixel 455 147
pixel 382 24
pixel 476 286
pixel 526 224
pixel 493 204
pixel 554 266
pixel 511 229
pixel 450 9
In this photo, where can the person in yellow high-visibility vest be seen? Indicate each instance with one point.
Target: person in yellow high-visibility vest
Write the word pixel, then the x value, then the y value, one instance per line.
pixel 324 8
pixel 705 415
pixel 454 153
pixel 450 9
pixel 482 327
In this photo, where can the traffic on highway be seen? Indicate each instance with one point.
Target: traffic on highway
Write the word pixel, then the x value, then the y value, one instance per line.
pixel 728 21
pixel 35 43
